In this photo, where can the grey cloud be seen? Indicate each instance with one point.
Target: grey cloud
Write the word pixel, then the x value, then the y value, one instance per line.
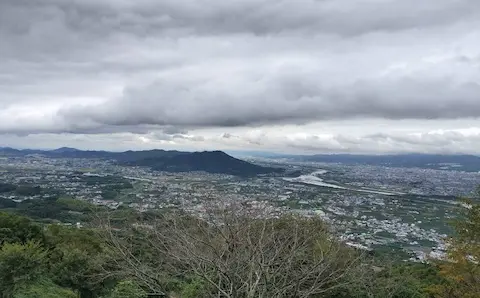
pixel 227 136
pixel 442 142
pixel 160 136
pixel 425 139
pixel 171 67
pixel 171 130
pixel 448 142
pixel 53 25
pixel 164 135
pixel 197 138
pixel 283 99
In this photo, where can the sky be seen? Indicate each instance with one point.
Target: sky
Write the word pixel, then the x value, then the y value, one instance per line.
pixel 290 76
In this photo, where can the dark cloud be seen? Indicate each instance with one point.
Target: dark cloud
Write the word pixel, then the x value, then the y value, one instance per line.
pixel 163 70
pixel 172 130
pixel 101 18
pixel 79 31
pixel 283 99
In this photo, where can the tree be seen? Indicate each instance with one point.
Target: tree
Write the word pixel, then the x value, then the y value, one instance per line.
pixel 20 265
pixel 462 270
pixel 28 190
pixel 128 289
pixel 7 187
pixel 387 278
pixel 237 252
pixel 43 289
pixel 76 259
pixel 18 229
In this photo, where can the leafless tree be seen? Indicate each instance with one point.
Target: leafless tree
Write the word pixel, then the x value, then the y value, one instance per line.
pixel 238 252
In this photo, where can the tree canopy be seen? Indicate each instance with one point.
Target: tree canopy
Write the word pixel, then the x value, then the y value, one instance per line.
pixel 229 252
pixel 462 270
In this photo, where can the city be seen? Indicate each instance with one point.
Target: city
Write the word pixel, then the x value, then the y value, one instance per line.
pixel 368 207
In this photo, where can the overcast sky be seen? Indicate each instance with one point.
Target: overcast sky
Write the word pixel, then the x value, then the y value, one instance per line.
pixel 299 76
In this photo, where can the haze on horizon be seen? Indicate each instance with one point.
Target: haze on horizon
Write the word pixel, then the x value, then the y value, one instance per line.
pixel 296 76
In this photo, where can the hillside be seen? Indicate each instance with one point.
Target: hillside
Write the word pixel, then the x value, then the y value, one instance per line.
pixel 208 161
pixel 217 162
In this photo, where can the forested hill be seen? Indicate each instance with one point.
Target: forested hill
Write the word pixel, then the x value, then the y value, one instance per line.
pixel 171 161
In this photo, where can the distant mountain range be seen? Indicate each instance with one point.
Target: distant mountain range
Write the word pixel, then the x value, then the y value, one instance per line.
pixel 220 162
pixel 470 163
pixel 171 161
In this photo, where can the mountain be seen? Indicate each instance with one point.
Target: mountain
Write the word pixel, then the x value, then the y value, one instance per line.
pixel 170 161
pixel 208 161
pixel 19 152
pixel 431 161
pixel 65 150
pixel 8 150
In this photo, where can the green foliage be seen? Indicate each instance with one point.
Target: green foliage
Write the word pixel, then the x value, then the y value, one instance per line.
pixel 193 289
pixel 399 280
pixel 76 259
pixel 462 272
pixel 20 264
pixel 128 289
pixel 124 217
pixel 18 229
pixel 7 203
pixel 28 190
pixel 39 208
pixel 7 187
pixel 423 275
pixel 69 257
pixel 58 261
pixel 43 289
pixel 109 194
pixel 22 190
pixel 71 204
pixel 63 209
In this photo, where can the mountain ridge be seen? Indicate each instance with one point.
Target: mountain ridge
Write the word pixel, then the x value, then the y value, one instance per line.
pixel 465 162
pixel 217 162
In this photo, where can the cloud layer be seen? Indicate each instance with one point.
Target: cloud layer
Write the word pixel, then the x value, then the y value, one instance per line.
pixel 186 72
